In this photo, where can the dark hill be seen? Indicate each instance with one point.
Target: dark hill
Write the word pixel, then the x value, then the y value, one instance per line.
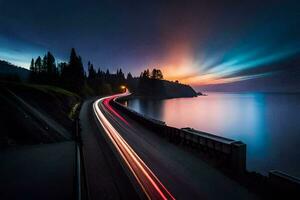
pixel 159 89
pixel 8 70
pixel 35 114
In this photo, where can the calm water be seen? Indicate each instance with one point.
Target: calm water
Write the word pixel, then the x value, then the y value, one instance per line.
pixel 268 123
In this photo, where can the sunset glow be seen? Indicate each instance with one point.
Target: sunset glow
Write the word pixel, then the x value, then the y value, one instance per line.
pixel 198 43
pixel 183 65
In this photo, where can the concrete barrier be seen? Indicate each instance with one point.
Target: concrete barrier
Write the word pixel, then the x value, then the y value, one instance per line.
pixel 284 183
pixel 232 153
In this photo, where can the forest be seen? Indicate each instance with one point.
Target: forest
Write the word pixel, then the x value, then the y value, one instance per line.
pixel 72 76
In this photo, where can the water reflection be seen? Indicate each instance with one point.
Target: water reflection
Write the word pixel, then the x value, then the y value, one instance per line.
pixel 267 123
pixel 153 108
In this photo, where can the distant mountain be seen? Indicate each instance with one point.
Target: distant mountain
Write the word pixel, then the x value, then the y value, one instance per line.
pixel 7 69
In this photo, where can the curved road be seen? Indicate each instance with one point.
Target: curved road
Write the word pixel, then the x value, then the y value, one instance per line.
pixel 157 168
pixel 146 179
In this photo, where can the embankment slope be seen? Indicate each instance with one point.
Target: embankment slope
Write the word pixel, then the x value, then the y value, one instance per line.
pixel 32 114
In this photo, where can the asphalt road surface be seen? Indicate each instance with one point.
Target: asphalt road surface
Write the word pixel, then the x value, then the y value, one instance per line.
pixel 156 168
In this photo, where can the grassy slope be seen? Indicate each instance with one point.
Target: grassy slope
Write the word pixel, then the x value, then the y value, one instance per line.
pixel 19 128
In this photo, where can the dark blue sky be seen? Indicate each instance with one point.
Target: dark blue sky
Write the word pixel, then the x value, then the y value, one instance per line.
pixel 197 42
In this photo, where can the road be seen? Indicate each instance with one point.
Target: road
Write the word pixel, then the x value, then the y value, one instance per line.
pixel 106 179
pixel 150 184
pixel 43 171
pixel 161 169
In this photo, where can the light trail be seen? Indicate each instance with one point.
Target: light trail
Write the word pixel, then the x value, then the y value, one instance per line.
pixel 149 183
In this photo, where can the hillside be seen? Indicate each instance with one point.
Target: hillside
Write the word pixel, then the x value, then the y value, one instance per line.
pixel 9 70
pixel 35 114
pixel 159 89
pixel 175 90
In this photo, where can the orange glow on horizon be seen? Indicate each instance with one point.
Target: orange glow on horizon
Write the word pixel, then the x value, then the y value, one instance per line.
pixel 179 63
pixel 186 76
pixel 182 63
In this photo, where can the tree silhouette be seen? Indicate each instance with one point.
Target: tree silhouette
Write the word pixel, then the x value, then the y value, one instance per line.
pixel 72 76
pixel 38 64
pixel 32 75
pixel 156 74
pixel 92 72
pixel 32 68
pixel 44 65
pixel 150 84
pixel 129 77
pixel 145 74
pixel 50 64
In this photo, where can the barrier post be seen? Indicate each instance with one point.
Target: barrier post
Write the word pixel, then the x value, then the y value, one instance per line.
pixel 238 156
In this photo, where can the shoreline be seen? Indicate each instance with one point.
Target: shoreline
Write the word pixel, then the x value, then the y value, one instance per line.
pixel 218 106
pixel 133 96
pixel 253 180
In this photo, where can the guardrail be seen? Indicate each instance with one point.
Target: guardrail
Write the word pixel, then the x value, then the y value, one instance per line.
pixel 230 153
pixel 81 188
pixel 284 183
pixel 233 151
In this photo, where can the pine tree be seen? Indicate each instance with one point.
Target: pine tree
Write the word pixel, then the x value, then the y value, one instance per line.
pixel 129 76
pixel 156 74
pixel 92 72
pixel 32 67
pixel 44 64
pixel 145 74
pixel 50 64
pixel 38 64
pixel 74 73
pixel 32 74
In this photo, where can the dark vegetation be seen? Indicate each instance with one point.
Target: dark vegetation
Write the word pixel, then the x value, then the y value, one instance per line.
pixel 11 72
pixel 39 105
pixel 24 125
pixel 152 85
pixel 72 76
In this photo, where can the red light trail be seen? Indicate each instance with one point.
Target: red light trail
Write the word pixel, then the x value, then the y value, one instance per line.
pixel 149 183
